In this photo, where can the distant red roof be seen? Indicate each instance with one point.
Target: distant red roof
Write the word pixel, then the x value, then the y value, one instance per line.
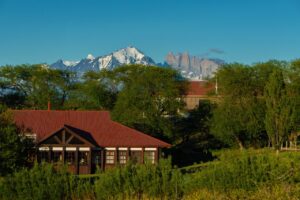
pixel 199 88
pixel 98 124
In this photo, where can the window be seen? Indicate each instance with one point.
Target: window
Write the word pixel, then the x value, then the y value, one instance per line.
pixel 70 157
pixel 136 156
pixel 31 136
pixel 83 157
pixel 57 156
pixel 149 157
pixel 44 156
pixel 110 157
pixel 122 157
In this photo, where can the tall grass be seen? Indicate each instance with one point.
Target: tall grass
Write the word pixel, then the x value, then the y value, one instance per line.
pixel 41 182
pixel 278 191
pixel 140 182
pixel 236 174
pixel 130 182
pixel 247 170
pixel 44 181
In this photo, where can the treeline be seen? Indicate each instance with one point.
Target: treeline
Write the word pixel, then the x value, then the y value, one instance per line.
pixel 146 98
pixel 259 105
pixel 138 96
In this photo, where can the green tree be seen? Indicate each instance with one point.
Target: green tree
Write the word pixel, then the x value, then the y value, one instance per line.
pixel 14 148
pixel 149 98
pixel 238 118
pixel 96 90
pixel 35 85
pixel 280 109
pixel 294 77
pixel 194 140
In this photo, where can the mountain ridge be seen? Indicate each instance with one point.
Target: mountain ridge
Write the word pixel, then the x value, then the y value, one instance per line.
pixel 190 67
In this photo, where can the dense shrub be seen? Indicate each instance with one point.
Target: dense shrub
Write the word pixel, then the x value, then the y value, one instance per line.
pixel 43 182
pixel 247 170
pixel 131 181
pixel 140 181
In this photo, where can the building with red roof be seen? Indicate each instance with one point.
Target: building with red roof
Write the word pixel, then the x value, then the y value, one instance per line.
pixel 86 140
pixel 196 91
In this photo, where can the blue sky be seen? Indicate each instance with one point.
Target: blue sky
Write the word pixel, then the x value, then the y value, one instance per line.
pixel 247 31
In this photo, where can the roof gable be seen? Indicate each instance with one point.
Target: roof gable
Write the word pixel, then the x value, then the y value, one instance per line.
pixel 68 135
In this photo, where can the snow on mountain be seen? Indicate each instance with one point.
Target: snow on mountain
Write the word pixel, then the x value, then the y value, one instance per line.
pixel 70 63
pixel 90 57
pixel 129 55
pixel 190 67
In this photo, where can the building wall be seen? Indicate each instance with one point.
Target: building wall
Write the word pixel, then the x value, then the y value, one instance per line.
pixel 86 160
pixel 120 156
pixel 192 101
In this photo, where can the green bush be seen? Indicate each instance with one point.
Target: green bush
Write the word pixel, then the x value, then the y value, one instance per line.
pixel 140 181
pixel 247 170
pixel 44 181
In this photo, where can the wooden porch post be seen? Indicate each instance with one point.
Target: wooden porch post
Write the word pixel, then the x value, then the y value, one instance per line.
pixel 116 156
pixel 76 161
pixel 90 161
pixel 37 152
pixel 63 155
pixel 102 159
pixel 128 154
pixel 157 152
pixel 50 154
pixel 143 151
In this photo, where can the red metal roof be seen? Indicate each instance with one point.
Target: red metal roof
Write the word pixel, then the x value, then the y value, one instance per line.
pixel 199 88
pixel 104 131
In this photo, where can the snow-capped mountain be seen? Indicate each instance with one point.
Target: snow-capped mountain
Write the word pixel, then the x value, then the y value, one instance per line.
pixel 129 55
pixel 190 67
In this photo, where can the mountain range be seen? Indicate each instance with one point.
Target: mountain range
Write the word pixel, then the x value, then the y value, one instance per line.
pixel 193 67
pixel 190 67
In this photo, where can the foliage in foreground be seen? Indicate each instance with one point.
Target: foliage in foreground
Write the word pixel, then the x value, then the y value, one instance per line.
pixel 236 175
pixel 45 181
pixel 132 182
pixel 141 181
pixel 247 170
pixel 267 192
pixel 244 174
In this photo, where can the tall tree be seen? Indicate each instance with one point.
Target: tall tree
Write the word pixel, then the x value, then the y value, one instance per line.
pixel 14 147
pixel 149 98
pixel 294 78
pixel 96 90
pixel 280 109
pixel 238 118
